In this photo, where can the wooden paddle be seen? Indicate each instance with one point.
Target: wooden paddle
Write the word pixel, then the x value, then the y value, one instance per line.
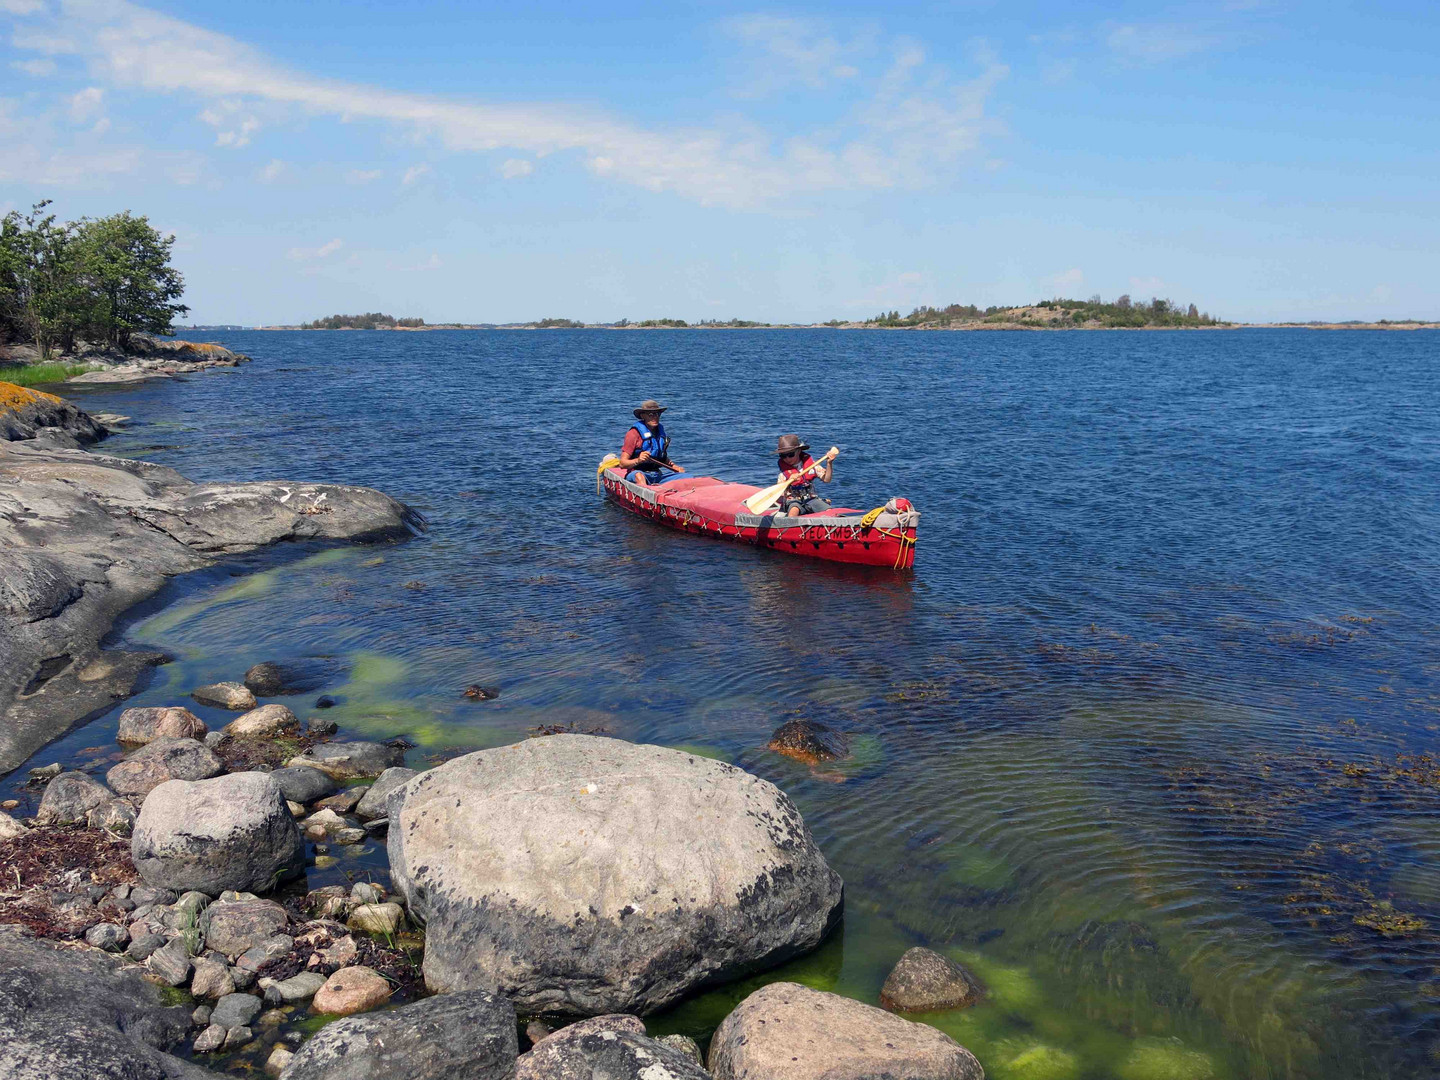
pixel 770 496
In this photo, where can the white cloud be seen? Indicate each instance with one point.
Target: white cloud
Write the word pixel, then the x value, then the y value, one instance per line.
pixel 22 7
pixel 233 124
pixel 1155 43
pixel 39 68
pixel 271 172
pixel 303 254
pixel 363 176
pixel 913 130
pixel 790 52
pixel 415 172
pixel 1065 280
pixel 514 167
pixel 86 105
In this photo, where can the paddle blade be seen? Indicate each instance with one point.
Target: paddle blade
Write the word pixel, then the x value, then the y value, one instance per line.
pixel 766 498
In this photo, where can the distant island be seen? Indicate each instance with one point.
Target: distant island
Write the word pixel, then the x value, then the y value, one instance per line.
pixel 1122 313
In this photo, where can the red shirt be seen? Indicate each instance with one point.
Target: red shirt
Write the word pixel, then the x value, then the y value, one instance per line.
pixel 632 444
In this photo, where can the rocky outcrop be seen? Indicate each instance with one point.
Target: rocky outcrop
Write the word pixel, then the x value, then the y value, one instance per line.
pixel 83 537
pixel 925 981
pixel 148 357
pixel 587 875
pixel 44 418
pixel 468 1035
pixel 67 1015
pixel 786 1031
pixel 232 832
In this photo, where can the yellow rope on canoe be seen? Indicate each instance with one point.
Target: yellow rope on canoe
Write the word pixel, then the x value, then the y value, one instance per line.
pixel 609 463
pixel 870 518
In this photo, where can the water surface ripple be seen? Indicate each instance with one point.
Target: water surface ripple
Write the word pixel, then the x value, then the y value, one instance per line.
pixel 1145 738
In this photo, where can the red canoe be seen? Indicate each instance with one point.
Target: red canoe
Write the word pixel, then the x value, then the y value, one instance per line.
pixel 706 506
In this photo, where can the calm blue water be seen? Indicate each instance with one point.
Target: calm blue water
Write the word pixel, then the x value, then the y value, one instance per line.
pixel 1143 738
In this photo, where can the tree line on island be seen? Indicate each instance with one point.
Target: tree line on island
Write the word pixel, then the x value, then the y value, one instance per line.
pixel 97 280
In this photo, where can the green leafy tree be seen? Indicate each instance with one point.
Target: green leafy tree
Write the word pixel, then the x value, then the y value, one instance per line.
pixel 134 289
pixel 37 269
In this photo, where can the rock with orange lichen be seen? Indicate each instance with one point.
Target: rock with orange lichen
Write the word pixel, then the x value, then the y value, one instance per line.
pixel 30 414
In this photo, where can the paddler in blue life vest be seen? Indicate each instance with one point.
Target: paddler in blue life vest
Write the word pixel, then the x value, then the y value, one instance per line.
pixel 646 447
pixel 800 498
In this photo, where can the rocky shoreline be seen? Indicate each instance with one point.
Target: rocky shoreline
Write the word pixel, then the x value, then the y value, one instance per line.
pixel 539 899
pixel 85 536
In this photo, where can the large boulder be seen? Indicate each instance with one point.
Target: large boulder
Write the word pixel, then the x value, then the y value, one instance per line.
pixel 70 797
pixel 161 760
pixel 613 1051
pixel 587 875
pixel 465 1036
pixel 140 726
pixel 350 760
pixel 232 832
pixel 786 1031
pixel 68 1015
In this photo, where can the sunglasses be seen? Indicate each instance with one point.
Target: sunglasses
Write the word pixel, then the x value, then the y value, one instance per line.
pixel 793 455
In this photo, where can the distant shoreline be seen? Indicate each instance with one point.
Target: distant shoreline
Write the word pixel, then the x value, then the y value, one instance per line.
pixel 975 327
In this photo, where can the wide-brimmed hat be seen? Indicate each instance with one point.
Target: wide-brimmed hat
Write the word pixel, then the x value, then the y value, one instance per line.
pixel 648 405
pixel 788 444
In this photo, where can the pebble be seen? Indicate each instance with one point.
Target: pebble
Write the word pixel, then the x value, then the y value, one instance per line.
pixel 143 945
pixel 201 1016
pixel 383 919
pixel 278 1059
pixel 210 1040
pixel 352 990
pixel 171 962
pixel 238 1036
pixel 365 892
pixel 9 804
pixel 107 936
pixel 235 1010
pixel 46 772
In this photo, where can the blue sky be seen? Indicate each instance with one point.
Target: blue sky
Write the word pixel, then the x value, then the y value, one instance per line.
pixel 495 163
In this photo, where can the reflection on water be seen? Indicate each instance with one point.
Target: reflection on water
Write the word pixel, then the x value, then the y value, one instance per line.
pixel 1144 740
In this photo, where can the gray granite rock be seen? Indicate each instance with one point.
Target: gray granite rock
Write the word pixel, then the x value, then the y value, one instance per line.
pixel 76 1015
pixel 232 832
pixel 107 936
pixel 70 797
pixel 140 726
pixel 925 981
pixel 588 875
pixel 86 536
pixel 171 962
pixel 601 1048
pixel 225 695
pixel 233 926
pixel 160 760
pixel 469 1034
pixel 350 760
pixel 788 1030
pixel 302 784
pixel 235 1010
pixel 372 805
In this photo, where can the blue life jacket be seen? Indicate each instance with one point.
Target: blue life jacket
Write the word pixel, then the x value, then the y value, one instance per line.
pixel 654 444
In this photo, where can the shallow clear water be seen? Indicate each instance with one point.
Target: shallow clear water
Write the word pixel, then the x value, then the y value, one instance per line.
pixel 1143 738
